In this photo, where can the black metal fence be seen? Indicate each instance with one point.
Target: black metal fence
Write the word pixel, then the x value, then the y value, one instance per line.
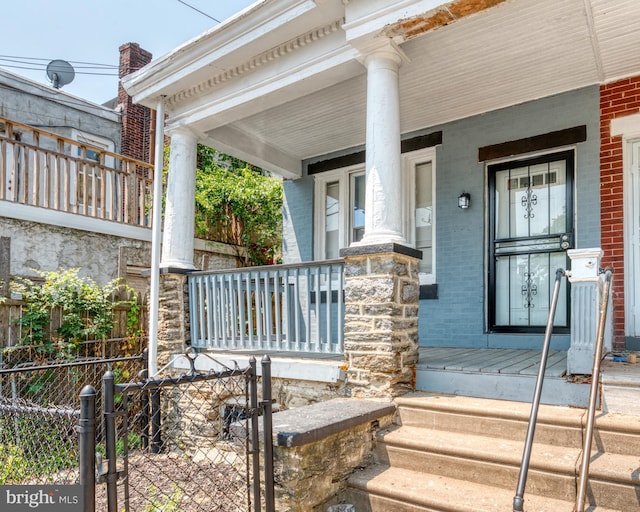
pixel 186 440
pixel 183 441
pixel 39 413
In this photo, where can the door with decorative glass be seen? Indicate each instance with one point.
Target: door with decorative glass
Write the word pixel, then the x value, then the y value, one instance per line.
pixel 531 227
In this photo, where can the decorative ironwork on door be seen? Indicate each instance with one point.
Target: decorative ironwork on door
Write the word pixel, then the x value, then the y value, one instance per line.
pixel 531 212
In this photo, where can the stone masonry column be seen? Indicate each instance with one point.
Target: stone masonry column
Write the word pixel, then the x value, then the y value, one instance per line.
pixel 177 243
pixel 381 319
pixel 383 212
pixel 173 316
pixel 586 298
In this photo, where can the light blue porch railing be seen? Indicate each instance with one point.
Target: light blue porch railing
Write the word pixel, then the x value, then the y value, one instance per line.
pixel 298 307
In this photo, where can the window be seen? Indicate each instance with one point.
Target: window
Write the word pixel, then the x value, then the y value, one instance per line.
pixel 341 219
pixel 90 187
pixel 420 191
pixel 340 209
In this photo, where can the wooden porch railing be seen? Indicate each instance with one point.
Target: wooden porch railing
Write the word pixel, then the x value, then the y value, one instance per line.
pixel 39 168
pixel 297 308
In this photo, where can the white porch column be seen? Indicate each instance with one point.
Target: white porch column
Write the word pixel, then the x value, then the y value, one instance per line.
pixel 383 206
pixel 177 244
pixel 586 298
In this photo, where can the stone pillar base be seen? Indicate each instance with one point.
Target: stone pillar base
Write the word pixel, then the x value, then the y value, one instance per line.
pixel 173 316
pixel 381 319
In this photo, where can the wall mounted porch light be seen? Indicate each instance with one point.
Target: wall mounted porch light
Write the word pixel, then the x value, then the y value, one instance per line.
pixel 464 200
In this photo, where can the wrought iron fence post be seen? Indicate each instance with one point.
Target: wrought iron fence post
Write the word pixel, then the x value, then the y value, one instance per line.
pixel 255 438
pixel 87 446
pixel 111 477
pixel 268 435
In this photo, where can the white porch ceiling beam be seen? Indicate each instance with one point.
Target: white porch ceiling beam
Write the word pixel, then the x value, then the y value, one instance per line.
pixel 298 72
pixel 241 145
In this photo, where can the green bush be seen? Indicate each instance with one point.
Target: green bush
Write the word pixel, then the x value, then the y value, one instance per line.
pixel 86 308
pixel 32 446
pixel 13 465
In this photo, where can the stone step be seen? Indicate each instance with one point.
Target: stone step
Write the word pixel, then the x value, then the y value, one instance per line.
pixel 380 488
pixel 481 459
pixel 455 453
pixel 556 425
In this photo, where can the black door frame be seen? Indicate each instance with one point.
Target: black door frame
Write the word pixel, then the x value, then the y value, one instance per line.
pixel 569 157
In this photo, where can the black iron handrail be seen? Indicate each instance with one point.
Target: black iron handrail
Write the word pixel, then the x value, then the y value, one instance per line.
pixel 593 393
pixel 518 500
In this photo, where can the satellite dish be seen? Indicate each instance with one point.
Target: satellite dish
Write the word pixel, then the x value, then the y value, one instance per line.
pixel 60 72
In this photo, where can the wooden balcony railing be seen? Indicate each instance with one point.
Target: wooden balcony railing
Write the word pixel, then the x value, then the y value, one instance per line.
pixel 298 308
pixel 39 168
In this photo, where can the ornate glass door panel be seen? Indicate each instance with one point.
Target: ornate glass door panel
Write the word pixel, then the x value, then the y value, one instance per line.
pixel 531 216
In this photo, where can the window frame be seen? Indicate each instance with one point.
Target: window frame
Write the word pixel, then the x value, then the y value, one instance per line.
pixel 344 177
pixel 409 163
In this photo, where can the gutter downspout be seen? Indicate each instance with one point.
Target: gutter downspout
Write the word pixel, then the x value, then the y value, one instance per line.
pixel 156 239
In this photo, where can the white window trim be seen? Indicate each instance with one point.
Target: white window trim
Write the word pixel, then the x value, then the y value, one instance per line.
pixel 409 163
pixel 343 176
pixel 98 142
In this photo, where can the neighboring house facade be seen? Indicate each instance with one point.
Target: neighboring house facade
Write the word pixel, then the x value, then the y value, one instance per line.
pixel 76 185
pixel 476 133
pixel 45 222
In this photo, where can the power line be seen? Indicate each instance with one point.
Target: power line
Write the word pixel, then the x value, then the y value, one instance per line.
pixel 198 10
pixel 44 68
pixel 18 58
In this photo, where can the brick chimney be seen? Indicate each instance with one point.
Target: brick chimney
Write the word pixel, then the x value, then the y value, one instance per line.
pixel 136 119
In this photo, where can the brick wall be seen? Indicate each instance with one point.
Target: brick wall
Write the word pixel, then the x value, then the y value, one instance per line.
pixel 617 99
pixel 135 118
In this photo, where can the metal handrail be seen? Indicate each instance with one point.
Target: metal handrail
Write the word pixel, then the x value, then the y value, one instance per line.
pixel 518 500
pixel 593 393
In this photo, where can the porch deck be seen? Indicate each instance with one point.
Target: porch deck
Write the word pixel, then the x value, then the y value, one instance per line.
pixel 490 360
pixel 505 374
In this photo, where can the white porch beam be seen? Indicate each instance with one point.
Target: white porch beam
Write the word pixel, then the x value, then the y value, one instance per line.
pixel 246 147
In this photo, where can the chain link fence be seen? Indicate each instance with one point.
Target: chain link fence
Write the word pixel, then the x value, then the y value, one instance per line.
pixel 39 412
pixel 180 442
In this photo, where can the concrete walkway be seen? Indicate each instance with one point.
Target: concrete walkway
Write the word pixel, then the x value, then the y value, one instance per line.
pixel 621 387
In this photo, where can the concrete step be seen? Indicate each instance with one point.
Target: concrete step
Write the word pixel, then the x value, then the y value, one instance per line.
pixel 482 459
pixel 379 488
pixel 448 448
pixel 497 418
pixel 556 425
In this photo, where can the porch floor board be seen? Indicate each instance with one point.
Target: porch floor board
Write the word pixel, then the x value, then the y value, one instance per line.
pixel 504 374
pixel 492 360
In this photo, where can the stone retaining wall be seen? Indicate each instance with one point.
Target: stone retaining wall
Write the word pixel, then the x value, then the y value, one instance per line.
pixel 317 447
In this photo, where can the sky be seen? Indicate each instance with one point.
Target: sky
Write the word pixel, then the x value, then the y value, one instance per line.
pixel 87 33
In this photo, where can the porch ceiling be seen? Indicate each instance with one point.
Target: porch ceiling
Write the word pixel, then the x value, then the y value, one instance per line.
pixel 516 51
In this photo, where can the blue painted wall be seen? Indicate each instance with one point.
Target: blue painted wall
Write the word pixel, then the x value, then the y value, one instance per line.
pixel 458 316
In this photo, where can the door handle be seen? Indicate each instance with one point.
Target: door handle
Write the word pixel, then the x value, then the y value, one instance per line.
pixel 566 241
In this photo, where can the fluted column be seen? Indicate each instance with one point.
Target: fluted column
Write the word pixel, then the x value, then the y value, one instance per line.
pixel 586 300
pixel 177 243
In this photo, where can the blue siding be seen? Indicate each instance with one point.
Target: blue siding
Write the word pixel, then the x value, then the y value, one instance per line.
pixel 297 222
pixel 458 316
